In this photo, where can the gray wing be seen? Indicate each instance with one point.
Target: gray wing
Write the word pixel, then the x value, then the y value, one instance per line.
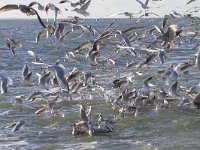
pixel 32 3
pixel 63 1
pixel 85 6
pixel 8 7
pixel 146 3
pixel 40 7
pixel 39 19
pixel 18 125
pixel 139 2
pixel 24 71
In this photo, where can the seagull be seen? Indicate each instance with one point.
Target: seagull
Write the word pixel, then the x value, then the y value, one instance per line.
pixel 18 101
pixel 144 5
pixel 128 14
pixel 60 76
pixel 37 60
pixel 86 77
pixel 18 125
pixel 161 53
pixel 23 8
pixel 70 22
pixel 50 104
pixel 60 39
pixel 174 89
pixel 42 78
pixel 78 88
pixel 80 2
pixel 127 42
pixel 26 73
pixel 35 95
pixel 181 67
pixel 54 8
pixel 83 29
pixel 83 8
pixel 105 123
pixel 92 130
pixel 49 30
pixel 12 45
pixel 79 128
pixel 146 87
pixel 84 45
pixel 29 11
pixel 5 82
pixel 73 74
pixel 146 14
pixel 83 113
pixel 169 35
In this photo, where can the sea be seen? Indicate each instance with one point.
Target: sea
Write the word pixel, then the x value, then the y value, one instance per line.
pixel 171 128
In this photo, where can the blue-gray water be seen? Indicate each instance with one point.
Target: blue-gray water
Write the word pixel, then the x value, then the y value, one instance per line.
pixel 172 128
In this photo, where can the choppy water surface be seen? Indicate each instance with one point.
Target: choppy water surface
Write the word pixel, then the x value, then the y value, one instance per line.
pixel 172 128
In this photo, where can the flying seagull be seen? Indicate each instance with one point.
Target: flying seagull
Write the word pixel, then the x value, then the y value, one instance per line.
pixel 144 5
pixel 83 8
pixel 24 9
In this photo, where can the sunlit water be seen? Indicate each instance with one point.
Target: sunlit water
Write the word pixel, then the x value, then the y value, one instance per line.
pixel 172 128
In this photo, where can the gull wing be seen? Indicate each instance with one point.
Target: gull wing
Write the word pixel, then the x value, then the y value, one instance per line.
pixel 85 6
pixel 108 27
pixel 9 7
pixel 171 31
pixel 190 1
pixel 39 35
pixel 40 7
pixel 166 17
pixel 39 19
pixel 158 29
pixel 139 2
pixel 146 3
pixel 63 1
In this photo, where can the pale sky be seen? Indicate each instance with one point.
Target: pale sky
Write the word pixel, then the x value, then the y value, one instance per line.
pixel 104 8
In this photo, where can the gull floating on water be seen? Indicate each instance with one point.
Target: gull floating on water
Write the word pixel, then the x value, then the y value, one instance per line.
pixel 93 130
